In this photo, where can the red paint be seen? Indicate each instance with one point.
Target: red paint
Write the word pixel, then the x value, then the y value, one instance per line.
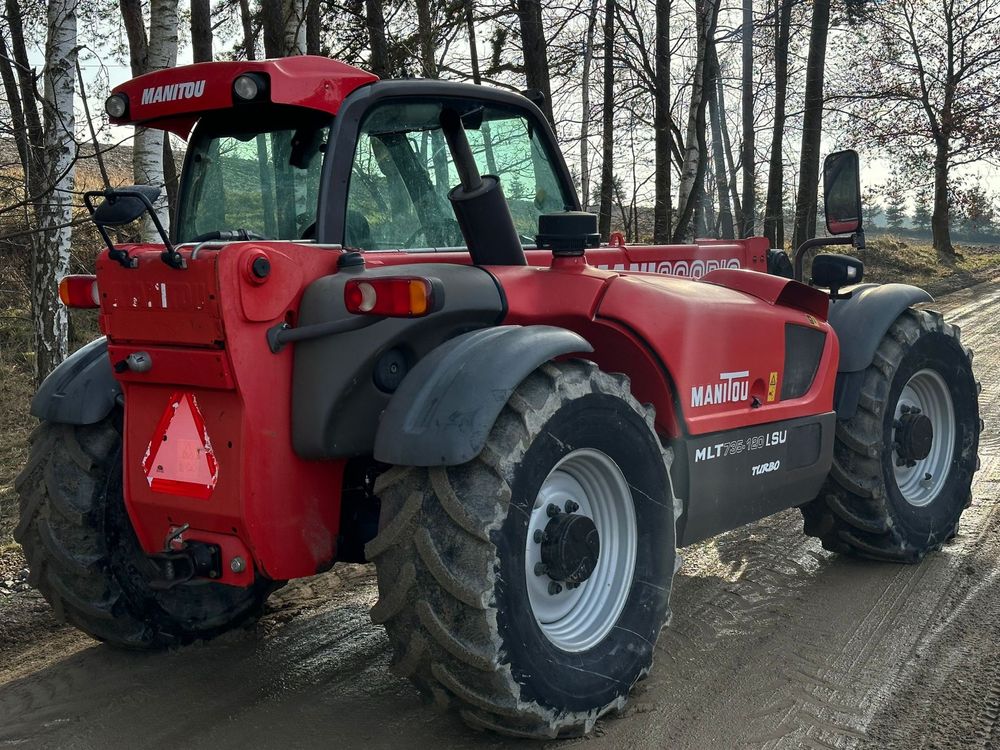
pixel 304 81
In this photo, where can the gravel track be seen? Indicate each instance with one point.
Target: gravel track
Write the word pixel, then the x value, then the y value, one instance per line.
pixel 775 643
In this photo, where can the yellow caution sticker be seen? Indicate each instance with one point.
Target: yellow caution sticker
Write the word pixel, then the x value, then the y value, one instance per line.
pixel 772 387
pixel 812 321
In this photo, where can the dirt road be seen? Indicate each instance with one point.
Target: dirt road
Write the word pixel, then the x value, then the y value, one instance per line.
pixel 775 643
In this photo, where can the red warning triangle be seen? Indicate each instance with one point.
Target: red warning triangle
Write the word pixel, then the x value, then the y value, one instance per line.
pixel 179 459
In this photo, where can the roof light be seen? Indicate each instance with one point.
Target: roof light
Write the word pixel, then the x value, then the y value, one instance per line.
pixel 116 106
pixel 394 297
pixel 79 291
pixel 249 86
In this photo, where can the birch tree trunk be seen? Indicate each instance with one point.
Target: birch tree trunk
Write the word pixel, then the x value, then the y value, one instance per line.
pixel 50 261
pixel 156 52
pixel 695 158
pixel 725 219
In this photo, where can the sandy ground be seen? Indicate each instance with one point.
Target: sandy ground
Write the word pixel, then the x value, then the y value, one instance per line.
pixel 775 643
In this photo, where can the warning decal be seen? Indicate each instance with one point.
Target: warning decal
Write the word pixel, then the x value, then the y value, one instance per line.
pixel 772 387
pixel 179 459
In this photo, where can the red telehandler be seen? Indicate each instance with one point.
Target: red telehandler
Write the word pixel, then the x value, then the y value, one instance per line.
pixel 381 329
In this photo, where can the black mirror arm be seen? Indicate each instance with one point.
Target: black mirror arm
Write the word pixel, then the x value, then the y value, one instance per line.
pixel 170 255
pixel 800 253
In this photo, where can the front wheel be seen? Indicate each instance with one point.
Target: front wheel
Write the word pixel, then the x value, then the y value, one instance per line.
pixel 903 464
pixel 527 587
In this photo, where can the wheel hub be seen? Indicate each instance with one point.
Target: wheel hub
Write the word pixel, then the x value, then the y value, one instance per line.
pixel 914 436
pixel 571 547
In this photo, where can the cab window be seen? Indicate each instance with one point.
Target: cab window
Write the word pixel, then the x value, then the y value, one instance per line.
pixel 402 173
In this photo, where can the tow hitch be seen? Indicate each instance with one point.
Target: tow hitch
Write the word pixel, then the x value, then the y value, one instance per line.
pixel 181 561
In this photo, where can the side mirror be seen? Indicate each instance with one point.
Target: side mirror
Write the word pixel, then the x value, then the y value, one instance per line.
pixel 834 272
pixel 842 192
pixel 125 205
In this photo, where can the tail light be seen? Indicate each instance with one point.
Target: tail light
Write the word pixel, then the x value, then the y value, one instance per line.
pixel 394 297
pixel 79 291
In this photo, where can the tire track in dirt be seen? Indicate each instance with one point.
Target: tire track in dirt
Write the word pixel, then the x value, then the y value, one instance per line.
pixel 775 643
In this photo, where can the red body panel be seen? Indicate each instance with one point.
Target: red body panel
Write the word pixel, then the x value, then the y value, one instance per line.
pixel 204 328
pixel 209 340
pixel 174 98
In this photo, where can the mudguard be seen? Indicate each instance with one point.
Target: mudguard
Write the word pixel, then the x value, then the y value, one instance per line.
pixel 81 390
pixel 445 408
pixel 860 322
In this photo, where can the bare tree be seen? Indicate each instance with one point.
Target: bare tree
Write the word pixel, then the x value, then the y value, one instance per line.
pixel 50 260
pixel 375 22
pixel 774 223
pixel 695 148
pixel 284 26
pixel 201 30
pixel 533 44
pixel 812 125
pixel 927 82
pixel 662 138
pixel 151 154
pixel 585 115
pixel 725 218
pixel 608 122
pixel 749 155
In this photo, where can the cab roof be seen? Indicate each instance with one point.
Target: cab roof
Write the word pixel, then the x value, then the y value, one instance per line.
pixel 175 98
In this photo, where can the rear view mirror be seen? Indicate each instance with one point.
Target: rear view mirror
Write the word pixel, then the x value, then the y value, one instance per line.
pixel 125 205
pixel 842 192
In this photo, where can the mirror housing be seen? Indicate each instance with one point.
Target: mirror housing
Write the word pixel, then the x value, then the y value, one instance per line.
pixel 842 192
pixel 834 272
pixel 124 205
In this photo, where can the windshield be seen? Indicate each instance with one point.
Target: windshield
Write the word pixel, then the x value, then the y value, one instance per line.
pixel 262 180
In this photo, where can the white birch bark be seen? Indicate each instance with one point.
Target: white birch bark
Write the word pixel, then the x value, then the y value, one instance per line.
pixel 689 170
pixel 147 158
pixel 294 13
pixel 55 211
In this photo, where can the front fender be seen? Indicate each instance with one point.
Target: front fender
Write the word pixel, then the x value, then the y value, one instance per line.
pixel 861 322
pixel 81 390
pixel 444 409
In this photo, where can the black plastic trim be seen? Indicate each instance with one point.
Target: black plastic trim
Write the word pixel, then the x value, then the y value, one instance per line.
pixel 81 390
pixel 732 478
pixel 862 320
pixel 445 408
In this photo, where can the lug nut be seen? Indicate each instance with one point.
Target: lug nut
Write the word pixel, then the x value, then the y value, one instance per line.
pixel 237 564
pixel 541 569
pixel 538 536
pixel 554 588
pixel 572 507
pixel 553 510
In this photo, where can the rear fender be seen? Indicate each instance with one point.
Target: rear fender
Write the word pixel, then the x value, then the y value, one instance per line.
pixel 445 408
pixel 81 390
pixel 861 321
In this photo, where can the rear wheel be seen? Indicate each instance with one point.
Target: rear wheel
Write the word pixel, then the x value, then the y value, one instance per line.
pixel 527 587
pixel 903 463
pixel 85 559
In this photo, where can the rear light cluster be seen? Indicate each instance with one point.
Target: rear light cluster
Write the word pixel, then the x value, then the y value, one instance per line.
pixel 79 291
pixel 394 297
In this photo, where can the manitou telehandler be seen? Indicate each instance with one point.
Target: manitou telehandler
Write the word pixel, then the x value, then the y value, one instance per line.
pixel 380 329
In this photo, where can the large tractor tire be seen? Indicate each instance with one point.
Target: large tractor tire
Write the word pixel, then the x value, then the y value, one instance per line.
pixel 526 588
pixel 903 464
pixel 84 557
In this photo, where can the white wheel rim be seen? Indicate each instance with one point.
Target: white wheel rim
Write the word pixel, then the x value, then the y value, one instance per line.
pixel 577 619
pixel 921 483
